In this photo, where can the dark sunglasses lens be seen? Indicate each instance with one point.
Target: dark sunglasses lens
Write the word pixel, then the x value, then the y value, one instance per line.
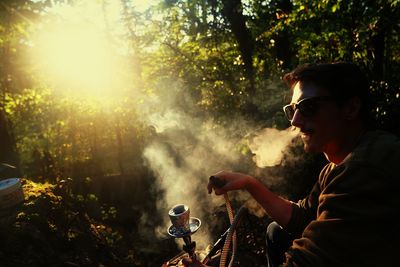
pixel 308 108
pixel 289 112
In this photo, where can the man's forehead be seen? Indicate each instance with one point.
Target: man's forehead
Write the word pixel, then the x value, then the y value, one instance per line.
pixel 303 90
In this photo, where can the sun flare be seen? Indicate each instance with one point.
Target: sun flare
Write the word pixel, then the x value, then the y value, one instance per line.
pixel 78 55
pixel 74 49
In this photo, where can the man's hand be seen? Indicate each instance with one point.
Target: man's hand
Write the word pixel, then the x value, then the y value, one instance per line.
pixel 224 181
pixel 276 207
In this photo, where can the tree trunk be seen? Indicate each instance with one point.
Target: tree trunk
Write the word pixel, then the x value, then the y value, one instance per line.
pixel 378 43
pixel 232 11
pixel 282 40
pixel 120 146
pixel 7 143
pixel 8 153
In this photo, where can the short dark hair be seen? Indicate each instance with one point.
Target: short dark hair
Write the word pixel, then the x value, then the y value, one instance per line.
pixel 342 80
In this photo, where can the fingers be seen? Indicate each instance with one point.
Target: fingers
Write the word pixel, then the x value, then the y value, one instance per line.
pixel 224 181
pixel 209 187
pixel 217 183
pixel 219 191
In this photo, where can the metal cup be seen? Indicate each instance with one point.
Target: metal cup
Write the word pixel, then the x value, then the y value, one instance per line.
pixel 179 216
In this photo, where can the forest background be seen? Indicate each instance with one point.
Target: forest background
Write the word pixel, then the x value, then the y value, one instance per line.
pixel 112 113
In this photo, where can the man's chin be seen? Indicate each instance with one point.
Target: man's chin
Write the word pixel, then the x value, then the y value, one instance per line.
pixel 311 148
pixel 307 148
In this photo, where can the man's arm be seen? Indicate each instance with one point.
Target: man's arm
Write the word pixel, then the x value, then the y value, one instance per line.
pixel 276 207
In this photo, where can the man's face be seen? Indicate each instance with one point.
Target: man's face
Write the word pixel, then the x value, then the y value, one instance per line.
pixel 319 118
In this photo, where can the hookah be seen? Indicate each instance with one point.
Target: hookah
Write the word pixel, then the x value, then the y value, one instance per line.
pixel 183 226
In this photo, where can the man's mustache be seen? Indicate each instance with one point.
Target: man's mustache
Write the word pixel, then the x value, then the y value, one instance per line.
pixel 306 130
pixel 303 130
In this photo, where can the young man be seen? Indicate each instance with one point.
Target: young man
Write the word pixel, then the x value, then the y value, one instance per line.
pixel 348 219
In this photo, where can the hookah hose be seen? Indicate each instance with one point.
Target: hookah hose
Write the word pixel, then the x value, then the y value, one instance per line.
pixel 234 220
pixel 231 233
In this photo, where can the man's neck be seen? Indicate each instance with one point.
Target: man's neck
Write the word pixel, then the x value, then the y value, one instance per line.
pixel 342 147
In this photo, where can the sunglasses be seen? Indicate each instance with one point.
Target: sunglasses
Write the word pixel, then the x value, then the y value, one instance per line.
pixel 308 107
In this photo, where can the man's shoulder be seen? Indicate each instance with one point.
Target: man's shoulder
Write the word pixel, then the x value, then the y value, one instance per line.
pixel 376 147
pixel 372 166
pixel 377 153
pixel 380 136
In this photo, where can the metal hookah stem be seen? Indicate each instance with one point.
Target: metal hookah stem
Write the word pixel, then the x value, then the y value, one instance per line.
pixel 189 246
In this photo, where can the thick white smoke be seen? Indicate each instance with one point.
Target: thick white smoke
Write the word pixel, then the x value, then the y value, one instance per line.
pixel 187 149
pixel 270 144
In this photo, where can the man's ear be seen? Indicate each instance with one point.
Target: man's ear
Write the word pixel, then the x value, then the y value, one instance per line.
pixel 352 108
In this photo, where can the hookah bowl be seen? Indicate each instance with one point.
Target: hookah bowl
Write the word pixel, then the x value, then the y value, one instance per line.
pixel 183 226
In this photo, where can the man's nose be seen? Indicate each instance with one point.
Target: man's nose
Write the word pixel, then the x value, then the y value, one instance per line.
pixel 297 120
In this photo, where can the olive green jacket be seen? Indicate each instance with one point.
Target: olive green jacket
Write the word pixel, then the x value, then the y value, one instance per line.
pixel 350 218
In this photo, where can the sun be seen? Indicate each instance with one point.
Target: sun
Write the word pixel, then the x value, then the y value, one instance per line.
pixel 77 56
pixel 75 49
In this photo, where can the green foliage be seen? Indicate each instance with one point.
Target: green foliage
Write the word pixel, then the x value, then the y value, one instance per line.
pixel 200 47
pixel 54 135
pixel 53 226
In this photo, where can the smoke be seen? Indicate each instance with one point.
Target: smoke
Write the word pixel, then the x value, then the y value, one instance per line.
pixel 166 121
pixel 184 151
pixel 270 144
pixel 187 148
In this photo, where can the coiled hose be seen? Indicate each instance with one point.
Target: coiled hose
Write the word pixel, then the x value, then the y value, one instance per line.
pixel 231 237
pixel 234 220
